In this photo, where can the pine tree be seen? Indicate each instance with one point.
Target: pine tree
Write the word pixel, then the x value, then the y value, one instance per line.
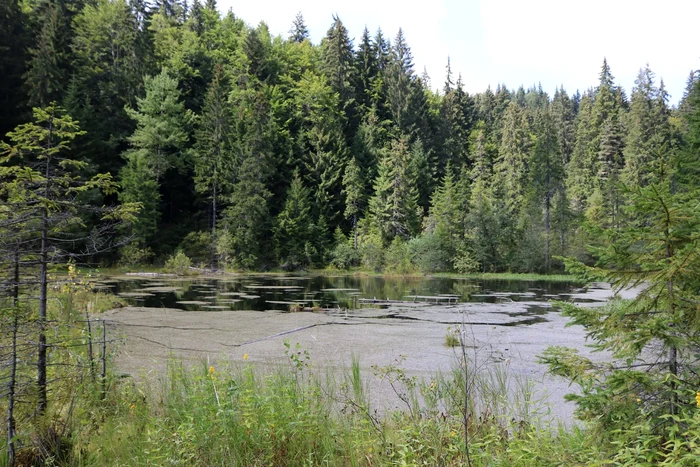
pixel 511 170
pixel 547 172
pixel 366 72
pixel 247 219
pixel 400 86
pixel 457 117
pixel 581 169
pixel 13 45
pixel 106 58
pixel 483 226
pixel 448 212
pixel 564 117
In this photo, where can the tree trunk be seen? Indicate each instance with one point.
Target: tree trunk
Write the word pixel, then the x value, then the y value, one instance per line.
pixel 354 228
pixel 547 227
pixel 213 225
pixel 11 395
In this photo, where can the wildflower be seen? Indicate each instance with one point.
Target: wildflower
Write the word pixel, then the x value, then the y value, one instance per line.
pixel 245 357
pixel 697 398
pixel 211 370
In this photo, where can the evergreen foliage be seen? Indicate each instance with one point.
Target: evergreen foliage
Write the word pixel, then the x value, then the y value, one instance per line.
pixel 205 120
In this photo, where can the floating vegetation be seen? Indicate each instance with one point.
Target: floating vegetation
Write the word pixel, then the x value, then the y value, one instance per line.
pixel 160 289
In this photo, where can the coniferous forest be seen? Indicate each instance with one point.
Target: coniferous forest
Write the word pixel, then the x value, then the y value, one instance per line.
pixel 250 151
pixel 140 133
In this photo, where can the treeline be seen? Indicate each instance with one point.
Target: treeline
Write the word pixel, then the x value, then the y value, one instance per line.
pixel 254 151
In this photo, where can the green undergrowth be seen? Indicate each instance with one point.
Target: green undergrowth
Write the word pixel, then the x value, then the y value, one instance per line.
pixel 296 416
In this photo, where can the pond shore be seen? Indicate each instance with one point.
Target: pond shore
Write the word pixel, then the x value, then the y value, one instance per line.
pixel 413 337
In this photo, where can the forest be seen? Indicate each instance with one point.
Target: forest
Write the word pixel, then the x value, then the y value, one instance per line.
pixel 249 151
pixel 137 134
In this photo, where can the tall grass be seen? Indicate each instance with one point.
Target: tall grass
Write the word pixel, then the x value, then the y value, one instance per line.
pixel 295 416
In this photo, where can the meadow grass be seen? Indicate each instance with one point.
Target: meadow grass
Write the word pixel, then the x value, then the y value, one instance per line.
pixel 297 416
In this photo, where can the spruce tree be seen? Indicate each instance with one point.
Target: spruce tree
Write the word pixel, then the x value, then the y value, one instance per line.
pixel 293 230
pixel 394 206
pixel 45 75
pixel 338 66
pixel 214 159
pixel 648 131
pixel 651 383
pixel 43 188
pixel 354 190
pixel 299 32
pixel 157 145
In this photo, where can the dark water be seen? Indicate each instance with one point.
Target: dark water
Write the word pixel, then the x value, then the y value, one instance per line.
pixel 281 293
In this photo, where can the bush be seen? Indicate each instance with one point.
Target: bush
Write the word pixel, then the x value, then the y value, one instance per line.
pixel 179 263
pixel 398 258
pixel 198 247
pixel 430 253
pixel 372 254
pixel 344 254
pixel 132 255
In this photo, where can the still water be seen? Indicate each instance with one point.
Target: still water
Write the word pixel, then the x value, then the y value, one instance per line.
pixel 263 292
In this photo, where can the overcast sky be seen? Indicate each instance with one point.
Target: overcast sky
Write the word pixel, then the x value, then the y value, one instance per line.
pixel 514 42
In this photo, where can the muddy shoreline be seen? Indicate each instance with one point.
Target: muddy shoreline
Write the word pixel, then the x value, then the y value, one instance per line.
pixel 511 334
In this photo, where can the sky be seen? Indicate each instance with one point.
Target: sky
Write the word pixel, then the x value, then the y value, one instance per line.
pixel 513 42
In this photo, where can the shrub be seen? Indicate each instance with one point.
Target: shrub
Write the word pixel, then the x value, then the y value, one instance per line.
pixel 179 263
pixel 398 258
pixel 430 253
pixel 198 247
pixel 132 255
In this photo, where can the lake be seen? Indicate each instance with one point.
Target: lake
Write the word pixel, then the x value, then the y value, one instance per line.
pixel 282 293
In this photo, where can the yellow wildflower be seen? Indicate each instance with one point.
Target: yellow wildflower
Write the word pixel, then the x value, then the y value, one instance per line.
pixel 697 398
pixel 245 357
pixel 211 370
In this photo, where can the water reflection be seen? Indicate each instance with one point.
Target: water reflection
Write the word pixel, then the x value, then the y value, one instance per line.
pixel 323 292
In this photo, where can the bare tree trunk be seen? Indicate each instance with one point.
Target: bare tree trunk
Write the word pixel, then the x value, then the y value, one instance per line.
pixel 15 287
pixel 354 228
pixel 547 228
pixel 43 300
pixel 11 395
pixel 213 227
pixel 90 355
pixel 103 374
